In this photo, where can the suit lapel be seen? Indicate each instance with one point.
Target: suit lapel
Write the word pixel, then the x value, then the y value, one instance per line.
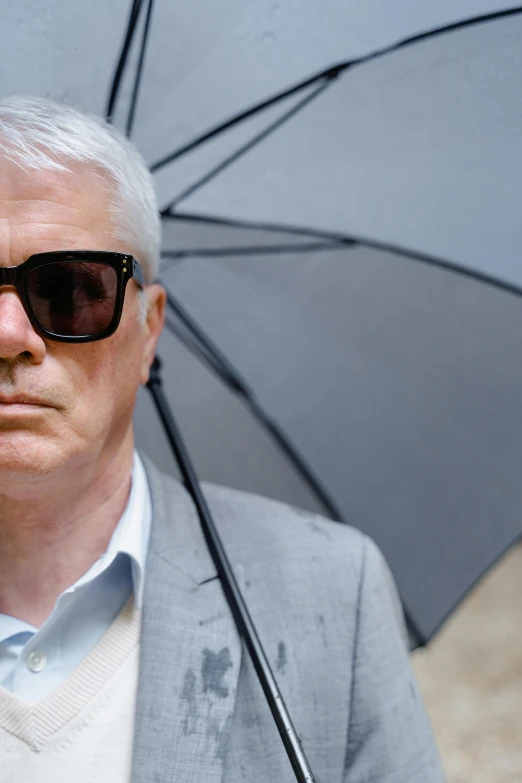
pixel 190 650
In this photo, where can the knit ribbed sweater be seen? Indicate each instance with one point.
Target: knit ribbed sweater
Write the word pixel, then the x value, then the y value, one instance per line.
pixel 83 730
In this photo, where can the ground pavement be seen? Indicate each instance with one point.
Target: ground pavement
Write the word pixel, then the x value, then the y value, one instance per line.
pixel 471 680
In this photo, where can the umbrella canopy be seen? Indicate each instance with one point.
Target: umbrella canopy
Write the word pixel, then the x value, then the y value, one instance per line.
pixel 396 381
pixel 393 378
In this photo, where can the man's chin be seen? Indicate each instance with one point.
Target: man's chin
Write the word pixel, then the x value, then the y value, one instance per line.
pixel 26 456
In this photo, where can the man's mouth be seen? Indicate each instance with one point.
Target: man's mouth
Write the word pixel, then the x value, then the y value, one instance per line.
pixel 22 401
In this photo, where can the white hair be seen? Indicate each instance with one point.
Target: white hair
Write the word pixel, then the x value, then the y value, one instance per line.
pixel 40 134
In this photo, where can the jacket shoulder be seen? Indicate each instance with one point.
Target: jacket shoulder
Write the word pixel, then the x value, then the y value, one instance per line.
pixel 327 560
pixel 256 527
pixel 260 532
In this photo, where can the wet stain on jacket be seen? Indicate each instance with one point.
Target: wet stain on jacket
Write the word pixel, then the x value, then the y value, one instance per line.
pixel 213 669
pixel 319 619
pixel 281 658
pixel 188 695
pixel 220 734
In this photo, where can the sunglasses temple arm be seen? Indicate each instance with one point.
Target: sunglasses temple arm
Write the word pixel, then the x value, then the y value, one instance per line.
pixel 137 272
pixel 237 604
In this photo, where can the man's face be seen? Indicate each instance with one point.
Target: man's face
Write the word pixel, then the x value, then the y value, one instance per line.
pixel 84 393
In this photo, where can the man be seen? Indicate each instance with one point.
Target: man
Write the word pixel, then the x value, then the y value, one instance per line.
pixel 119 659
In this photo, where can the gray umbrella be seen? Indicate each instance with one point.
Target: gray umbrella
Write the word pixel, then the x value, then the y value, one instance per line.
pixel 396 382
pixel 307 204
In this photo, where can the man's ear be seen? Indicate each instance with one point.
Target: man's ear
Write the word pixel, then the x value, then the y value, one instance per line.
pixel 156 299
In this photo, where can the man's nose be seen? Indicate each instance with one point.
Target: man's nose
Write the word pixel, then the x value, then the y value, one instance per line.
pixel 17 335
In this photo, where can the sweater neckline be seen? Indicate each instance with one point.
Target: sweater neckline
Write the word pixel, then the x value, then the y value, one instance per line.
pixel 35 722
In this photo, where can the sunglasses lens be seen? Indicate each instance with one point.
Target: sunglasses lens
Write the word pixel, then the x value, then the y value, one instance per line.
pixel 73 299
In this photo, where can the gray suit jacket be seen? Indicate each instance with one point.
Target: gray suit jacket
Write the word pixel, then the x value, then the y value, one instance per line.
pixel 328 615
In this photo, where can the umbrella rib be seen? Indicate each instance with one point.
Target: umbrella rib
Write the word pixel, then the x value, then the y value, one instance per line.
pixel 329 73
pixel 122 60
pixel 226 162
pixel 350 239
pixel 139 70
pixel 245 115
pixel 252 250
pixel 230 376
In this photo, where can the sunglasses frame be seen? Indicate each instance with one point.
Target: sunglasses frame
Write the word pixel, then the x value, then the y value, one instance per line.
pixel 125 265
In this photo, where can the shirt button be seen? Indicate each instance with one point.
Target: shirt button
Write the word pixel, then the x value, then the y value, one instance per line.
pixel 36 661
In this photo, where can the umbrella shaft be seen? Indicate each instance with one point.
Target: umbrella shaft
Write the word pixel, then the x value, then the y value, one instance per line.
pixel 234 597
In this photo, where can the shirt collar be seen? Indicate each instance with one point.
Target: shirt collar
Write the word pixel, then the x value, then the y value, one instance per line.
pixel 131 535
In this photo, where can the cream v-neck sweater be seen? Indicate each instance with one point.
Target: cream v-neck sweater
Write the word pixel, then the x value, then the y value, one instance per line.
pixel 83 730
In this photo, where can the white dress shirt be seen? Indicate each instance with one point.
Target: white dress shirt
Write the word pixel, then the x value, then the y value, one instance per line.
pixel 34 661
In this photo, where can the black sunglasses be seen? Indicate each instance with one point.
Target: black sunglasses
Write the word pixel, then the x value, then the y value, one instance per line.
pixel 73 296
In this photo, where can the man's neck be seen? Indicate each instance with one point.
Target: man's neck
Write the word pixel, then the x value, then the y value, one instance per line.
pixel 51 536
